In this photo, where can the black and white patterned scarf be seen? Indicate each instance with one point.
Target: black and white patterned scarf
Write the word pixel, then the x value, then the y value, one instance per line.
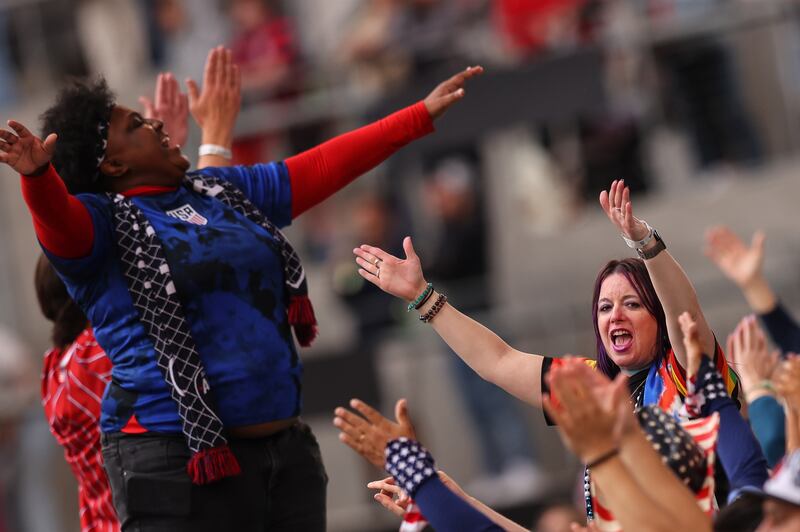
pixel 153 292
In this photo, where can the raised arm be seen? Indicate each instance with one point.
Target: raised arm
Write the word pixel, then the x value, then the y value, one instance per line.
pixel 787 381
pixel 216 107
pixel 319 172
pixel 492 358
pixel 671 284
pixel 744 266
pixel 62 223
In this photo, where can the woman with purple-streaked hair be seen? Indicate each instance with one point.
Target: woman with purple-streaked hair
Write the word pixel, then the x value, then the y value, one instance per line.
pixel 635 309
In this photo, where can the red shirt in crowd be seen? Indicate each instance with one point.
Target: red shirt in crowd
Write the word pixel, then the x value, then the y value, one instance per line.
pixel 73 382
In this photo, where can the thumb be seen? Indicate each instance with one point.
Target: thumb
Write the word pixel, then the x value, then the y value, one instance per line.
pixel 758 242
pixel 194 92
pixel 401 414
pixel 49 144
pixel 147 105
pixel 408 247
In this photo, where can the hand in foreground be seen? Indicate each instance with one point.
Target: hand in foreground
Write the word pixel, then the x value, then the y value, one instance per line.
pixel 171 106
pixel 399 277
pixel 739 263
pixel 25 152
pixel 691 343
pixel 616 203
pixel 590 419
pixel 787 382
pixel 216 107
pixel 577 527
pixel 449 92
pixel 749 355
pixel 368 433
pixel 393 498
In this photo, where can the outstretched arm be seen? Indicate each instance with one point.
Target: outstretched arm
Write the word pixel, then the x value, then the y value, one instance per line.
pixel 319 172
pixel 62 223
pixel 492 358
pixel 671 284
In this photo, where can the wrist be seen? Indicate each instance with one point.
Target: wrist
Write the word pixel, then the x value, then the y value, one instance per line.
pixel 418 290
pixel 759 295
pixel 597 458
pixel 219 136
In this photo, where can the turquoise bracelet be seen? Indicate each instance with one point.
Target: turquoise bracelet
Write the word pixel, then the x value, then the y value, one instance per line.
pixel 425 293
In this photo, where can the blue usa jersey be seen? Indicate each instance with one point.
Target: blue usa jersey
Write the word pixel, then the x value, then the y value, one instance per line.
pixel 230 282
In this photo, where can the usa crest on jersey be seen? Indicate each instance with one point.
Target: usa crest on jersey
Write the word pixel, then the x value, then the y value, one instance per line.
pixel 186 213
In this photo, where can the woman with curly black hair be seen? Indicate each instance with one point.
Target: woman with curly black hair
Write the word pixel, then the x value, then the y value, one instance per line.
pixel 193 292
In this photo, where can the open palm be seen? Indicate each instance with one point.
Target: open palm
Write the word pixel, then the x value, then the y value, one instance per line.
pixel 741 264
pixel 399 277
pixel 24 151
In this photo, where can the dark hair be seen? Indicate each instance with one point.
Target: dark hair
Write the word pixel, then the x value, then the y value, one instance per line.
pixel 635 272
pixel 742 515
pixel 56 304
pixel 80 107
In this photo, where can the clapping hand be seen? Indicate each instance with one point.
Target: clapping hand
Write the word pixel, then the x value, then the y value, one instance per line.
pixel 594 412
pixel 616 203
pixel 216 107
pixel 449 92
pixel 368 433
pixel 750 356
pixel 170 106
pixel 25 152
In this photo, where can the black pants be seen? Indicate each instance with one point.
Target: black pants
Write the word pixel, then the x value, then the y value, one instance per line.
pixel 281 487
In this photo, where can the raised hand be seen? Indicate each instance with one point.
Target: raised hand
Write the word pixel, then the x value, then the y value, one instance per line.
pixel 787 382
pixel 691 343
pixel 368 433
pixel 400 277
pixel 215 108
pixel 738 262
pixel 749 355
pixel 587 426
pixel 449 92
pixel 169 105
pixel 25 152
pixel 616 203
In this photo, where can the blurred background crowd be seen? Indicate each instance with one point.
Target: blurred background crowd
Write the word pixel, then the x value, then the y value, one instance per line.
pixel 695 103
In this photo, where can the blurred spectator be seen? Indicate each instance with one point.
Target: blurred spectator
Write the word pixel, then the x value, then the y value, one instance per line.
pixel 7 82
pixel 263 45
pixel 459 267
pixel 528 27
pixel 17 395
pixel 112 37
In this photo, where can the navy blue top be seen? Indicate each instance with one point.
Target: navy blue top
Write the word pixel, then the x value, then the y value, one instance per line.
pixel 231 285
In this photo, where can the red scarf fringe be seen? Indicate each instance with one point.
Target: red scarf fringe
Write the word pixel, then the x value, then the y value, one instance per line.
pixel 213 464
pixel 302 319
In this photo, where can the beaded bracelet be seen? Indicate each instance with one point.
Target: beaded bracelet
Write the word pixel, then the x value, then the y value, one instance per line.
pixel 421 298
pixel 425 300
pixel 434 310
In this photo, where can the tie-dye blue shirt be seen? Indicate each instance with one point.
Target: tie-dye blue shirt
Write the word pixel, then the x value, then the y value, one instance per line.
pixel 230 282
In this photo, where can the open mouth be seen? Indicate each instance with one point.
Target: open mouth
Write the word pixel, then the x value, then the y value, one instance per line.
pixel 621 339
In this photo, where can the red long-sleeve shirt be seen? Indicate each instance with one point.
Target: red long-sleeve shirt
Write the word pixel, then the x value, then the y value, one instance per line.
pixel 64 226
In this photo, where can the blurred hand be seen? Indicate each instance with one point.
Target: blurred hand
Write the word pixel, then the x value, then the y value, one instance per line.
pixel 739 263
pixel 449 92
pixel 616 203
pixel 390 496
pixel 399 277
pixel 691 343
pixel 215 108
pixel 368 433
pixel 171 106
pixel 590 420
pixel 590 527
pixel 787 381
pixel 25 152
pixel 749 355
